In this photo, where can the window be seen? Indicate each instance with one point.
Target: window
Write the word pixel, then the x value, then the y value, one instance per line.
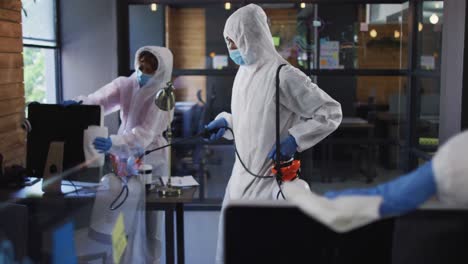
pixel 430 35
pixel 427 81
pixel 363 36
pixel 380 61
pixel 40 50
pixel 144 25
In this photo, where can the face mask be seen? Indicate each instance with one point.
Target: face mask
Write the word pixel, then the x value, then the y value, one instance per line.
pixel 236 57
pixel 143 78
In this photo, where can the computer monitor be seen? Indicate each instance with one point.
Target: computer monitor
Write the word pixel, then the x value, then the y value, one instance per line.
pixel 52 123
pixel 270 233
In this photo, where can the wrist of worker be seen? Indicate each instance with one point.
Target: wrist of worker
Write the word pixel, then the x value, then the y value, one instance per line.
pixel 117 142
pixel 298 139
pixel 292 140
pixel 228 117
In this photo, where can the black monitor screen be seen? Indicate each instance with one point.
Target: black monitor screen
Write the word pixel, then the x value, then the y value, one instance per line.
pixel 267 234
pixel 58 123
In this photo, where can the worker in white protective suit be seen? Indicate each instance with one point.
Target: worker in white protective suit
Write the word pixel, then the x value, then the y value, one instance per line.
pixel 143 123
pixel 307 114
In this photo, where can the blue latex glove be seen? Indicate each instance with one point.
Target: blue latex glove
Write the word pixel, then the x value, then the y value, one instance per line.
pixel 103 145
pixel 70 102
pixel 287 149
pixel 401 195
pixel 219 124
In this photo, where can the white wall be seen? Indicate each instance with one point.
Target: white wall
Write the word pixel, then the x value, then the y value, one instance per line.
pixel 89 48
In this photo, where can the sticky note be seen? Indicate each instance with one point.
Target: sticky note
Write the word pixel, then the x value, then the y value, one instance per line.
pixel 119 239
pixel 63 247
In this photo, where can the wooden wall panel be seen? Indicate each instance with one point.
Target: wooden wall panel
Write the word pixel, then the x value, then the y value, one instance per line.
pixel 14 5
pixel 12 137
pixel 382 87
pixel 11 60
pixel 11 106
pixel 11 75
pixel 283 24
pixel 10 91
pixel 10 29
pixel 11 122
pixel 15 155
pixel 383 52
pixel 186 38
pixel 11 45
pixel 186 87
pixel 10 15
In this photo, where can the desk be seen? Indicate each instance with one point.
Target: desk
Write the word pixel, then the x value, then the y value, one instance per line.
pixel 33 194
pixel 352 124
pixel 170 204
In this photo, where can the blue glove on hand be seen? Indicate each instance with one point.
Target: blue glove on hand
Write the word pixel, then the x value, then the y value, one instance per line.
pixel 287 149
pixel 70 102
pixel 401 195
pixel 103 145
pixel 218 128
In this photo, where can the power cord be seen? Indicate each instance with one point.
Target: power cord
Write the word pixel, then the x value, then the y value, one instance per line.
pixel 114 207
pixel 204 134
pixel 201 134
pixel 251 173
pixel 74 186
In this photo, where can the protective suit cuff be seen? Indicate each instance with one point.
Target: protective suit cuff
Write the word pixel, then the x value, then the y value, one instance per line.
pixel 295 134
pixel 117 142
pixel 84 99
pixel 228 117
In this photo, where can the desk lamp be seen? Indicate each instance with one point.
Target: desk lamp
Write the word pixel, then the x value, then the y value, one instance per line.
pixel 165 100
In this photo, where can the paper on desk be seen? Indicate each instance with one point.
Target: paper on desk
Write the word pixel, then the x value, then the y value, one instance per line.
pixel 181 181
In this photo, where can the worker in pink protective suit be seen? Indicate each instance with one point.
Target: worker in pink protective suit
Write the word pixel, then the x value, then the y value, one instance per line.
pixel 143 123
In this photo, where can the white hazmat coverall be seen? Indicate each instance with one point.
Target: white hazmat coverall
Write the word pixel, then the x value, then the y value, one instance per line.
pixel 143 123
pixel 307 113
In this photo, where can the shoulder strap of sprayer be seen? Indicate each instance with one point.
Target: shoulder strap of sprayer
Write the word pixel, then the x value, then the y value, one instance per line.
pixel 278 143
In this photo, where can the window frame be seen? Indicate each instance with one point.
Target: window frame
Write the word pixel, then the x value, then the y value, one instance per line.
pixel 412 72
pixel 57 52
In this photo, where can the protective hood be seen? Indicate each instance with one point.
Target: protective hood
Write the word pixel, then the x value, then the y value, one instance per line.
pixel 164 71
pixel 248 28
